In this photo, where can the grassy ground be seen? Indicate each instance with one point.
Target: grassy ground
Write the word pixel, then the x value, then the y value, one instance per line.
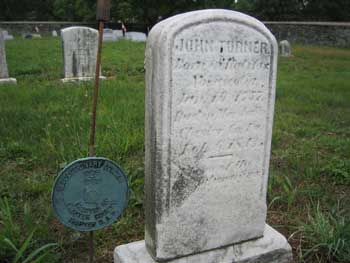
pixel 45 125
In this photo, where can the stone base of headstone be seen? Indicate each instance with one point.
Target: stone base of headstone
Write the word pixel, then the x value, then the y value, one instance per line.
pixel 271 248
pixel 66 80
pixel 8 81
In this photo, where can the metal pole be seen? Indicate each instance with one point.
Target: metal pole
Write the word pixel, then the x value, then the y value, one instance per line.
pixel 93 120
pixel 97 81
pixel 91 247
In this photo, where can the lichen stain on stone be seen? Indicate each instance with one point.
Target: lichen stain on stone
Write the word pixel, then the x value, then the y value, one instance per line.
pixel 188 176
pixel 188 180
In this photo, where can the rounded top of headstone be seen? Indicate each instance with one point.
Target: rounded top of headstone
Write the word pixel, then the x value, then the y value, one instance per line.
pixel 73 29
pixel 285 43
pixel 181 21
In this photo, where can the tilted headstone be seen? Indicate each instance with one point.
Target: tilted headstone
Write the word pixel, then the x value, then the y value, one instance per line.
pixel 4 74
pixel 136 36
pixel 210 95
pixel 79 53
pixel 285 48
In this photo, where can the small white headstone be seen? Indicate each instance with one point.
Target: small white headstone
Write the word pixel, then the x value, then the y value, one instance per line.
pixel 136 36
pixel 210 95
pixel 36 36
pixel 4 75
pixel 80 46
pixel 285 48
pixel 6 35
pixel 108 35
pixel 54 33
pixel 118 34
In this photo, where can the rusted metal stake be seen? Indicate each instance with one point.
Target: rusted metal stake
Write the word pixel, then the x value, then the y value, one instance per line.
pixel 91 245
pixel 95 97
pixel 93 119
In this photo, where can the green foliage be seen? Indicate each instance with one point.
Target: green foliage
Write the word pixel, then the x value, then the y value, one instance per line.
pixel 288 193
pixel 38 255
pixel 77 10
pixel 339 169
pixel 327 234
pixel 11 236
pixel 124 11
pixel 148 12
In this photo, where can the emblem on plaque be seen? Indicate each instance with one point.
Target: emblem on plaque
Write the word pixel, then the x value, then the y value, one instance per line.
pixel 90 194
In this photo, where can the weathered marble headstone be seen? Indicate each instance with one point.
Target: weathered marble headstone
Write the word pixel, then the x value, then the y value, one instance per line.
pixel 136 36
pixel 285 48
pixel 79 53
pixel 54 33
pixel 210 94
pixel 4 74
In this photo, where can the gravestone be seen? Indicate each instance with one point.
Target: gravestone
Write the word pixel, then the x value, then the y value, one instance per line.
pixel 4 74
pixel 108 35
pixel 54 33
pixel 6 35
pixel 285 49
pixel 136 36
pixel 210 94
pixel 79 53
pixel 36 36
pixel 118 34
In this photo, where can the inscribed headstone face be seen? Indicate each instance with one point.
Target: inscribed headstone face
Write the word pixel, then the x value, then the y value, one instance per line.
pixel 210 105
pixel 80 52
pixel 210 92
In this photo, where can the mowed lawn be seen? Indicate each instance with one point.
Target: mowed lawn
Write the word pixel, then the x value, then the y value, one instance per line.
pixel 44 125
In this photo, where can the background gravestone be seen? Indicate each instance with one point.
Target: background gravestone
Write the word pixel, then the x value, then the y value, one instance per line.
pixel 108 35
pixel 4 75
pixel 210 78
pixel 136 36
pixel 285 49
pixel 79 53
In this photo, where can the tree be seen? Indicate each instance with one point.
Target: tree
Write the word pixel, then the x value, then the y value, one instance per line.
pixel 335 10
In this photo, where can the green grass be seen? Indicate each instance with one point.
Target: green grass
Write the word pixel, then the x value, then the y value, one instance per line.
pixel 45 125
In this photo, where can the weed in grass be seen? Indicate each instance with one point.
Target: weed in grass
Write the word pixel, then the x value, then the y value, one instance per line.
pixel 12 248
pixel 37 256
pixel 288 192
pixel 327 234
pixel 339 170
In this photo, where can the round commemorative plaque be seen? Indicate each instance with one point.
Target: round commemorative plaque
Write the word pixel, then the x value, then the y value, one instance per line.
pixel 90 194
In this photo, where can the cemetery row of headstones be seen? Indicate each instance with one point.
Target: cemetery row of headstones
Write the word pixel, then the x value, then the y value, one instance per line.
pixel 109 35
pixel 79 52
